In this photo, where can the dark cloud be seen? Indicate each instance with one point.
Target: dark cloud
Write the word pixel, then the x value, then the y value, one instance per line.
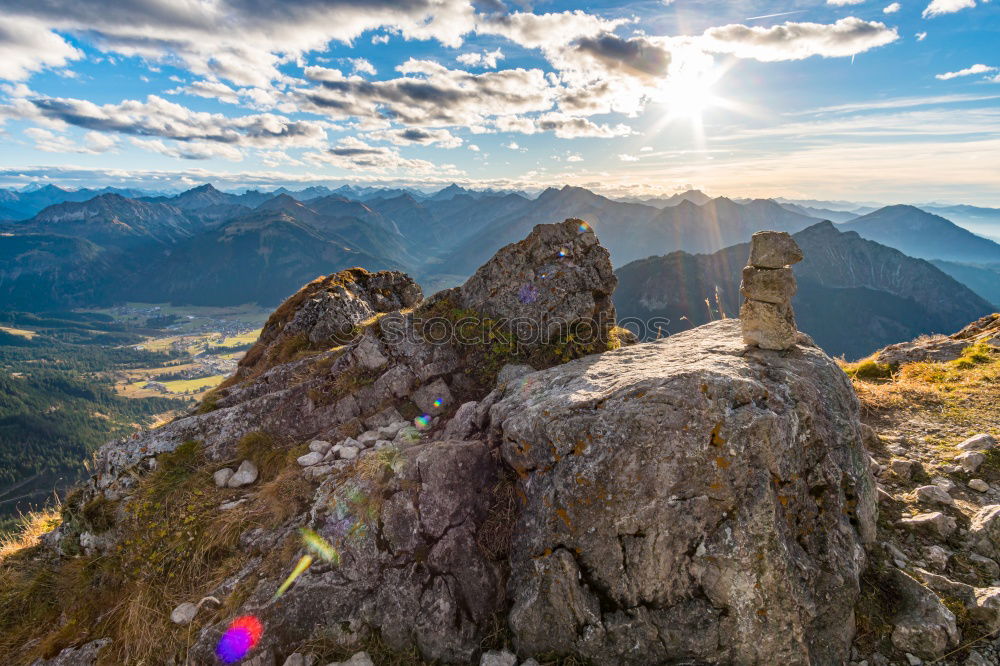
pixel 636 56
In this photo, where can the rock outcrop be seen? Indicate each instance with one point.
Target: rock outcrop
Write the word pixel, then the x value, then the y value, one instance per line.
pixel 685 500
pixel 944 347
pixel 690 500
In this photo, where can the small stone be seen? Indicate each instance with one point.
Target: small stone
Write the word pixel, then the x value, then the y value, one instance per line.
pixel 359 659
pixel 980 442
pixel 228 506
pixel 935 523
pixel 498 658
pixel 433 398
pixel 937 556
pixel 349 452
pixel 367 438
pixel 317 471
pixel 297 659
pixel 407 435
pixel 913 660
pixel 382 443
pixel 310 459
pixel 944 484
pixel 979 485
pixel 222 477
pixel 767 325
pixel 244 476
pixel 988 565
pixel 532 662
pixel 976 659
pixel 184 613
pixel 901 468
pixel 391 430
pixel 773 249
pixel 933 495
pixel 970 460
pixel 319 446
pixel 771 285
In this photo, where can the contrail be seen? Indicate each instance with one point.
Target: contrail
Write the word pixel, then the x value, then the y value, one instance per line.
pixel 754 18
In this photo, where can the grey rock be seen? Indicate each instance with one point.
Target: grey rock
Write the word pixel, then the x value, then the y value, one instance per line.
pixel 930 348
pixel 976 659
pixel 317 472
pixel 368 353
pixel 463 423
pixel 773 249
pixel 933 495
pixel 244 476
pixel 771 285
pixel 768 325
pixel 297 659
pixel 980 442
pixel 984 531
pixel 913 660
pixel 433 398
pixel 935 524
pixel 982 604
pixel 923 626
pixel 944 484
pixel 359 659
pixel 319 446
pixel 937 556
pixel 513 372
pixel 367 438
pixel 348 452
pixel 498 658
pixel 989 566
pixel 652 525
pixel 222 477
pixel 310 459
pixel 264 657
pixel 407 435
pixel 184 613
pixel 979 485
pixel 397 381
pixel 85 655
pixel 901 468
pixel 383 418
pixel 557 278
pixel 970 460
pixel 391 430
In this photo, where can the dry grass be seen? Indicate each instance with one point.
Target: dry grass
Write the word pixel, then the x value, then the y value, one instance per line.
pixel 31 526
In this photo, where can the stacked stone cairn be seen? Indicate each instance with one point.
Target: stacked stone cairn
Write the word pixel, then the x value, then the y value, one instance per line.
pixel 768 285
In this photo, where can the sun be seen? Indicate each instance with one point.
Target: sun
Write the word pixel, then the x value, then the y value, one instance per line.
pixel 689 90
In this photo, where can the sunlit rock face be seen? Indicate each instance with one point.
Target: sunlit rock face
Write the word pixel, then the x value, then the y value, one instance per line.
pixel 687 499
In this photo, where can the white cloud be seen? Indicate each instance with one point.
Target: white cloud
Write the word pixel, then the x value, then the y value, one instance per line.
pixel 473 147
pixel 417 135
pixel 892 8
pixel 921 36
pixel 158 117
pixel 968 71
pixel 194 150
pixel 363 66
pixel 646 149
pixel 513 145
pixel 795 41
pixel 938 7
pixel 93 142
pixel 547 30
pixel 354 154
pixel 574 157
pixel 380 39
pixel 27 46
pixel 628 158
pixel 842 3
pixel 486 59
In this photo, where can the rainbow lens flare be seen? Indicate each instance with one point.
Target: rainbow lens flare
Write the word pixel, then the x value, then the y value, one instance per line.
pixel 242 636
pixel 422 422
pixel 584 228
pixel 563 252
pixel 437 403
pixel 304 562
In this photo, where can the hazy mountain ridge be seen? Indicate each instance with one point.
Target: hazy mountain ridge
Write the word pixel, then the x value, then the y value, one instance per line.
pixel 854 295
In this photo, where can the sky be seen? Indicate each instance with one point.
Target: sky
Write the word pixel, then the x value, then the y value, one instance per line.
pixel 864 100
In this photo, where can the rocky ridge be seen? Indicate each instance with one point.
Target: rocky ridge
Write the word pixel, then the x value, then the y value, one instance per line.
pixel 499 492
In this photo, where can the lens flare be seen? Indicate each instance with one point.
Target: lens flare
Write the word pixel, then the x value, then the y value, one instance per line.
pixel 422 422
pixel 319 546
pixel 527 294
pixel 563 253
pixel 242 636
pixel 584 227
pixel 437 403
pixel 303 564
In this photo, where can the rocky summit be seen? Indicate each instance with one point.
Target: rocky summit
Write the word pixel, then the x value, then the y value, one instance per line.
pixel 498 474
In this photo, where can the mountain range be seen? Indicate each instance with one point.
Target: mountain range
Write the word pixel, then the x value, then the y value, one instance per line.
pixel 854 295
pixel 209 247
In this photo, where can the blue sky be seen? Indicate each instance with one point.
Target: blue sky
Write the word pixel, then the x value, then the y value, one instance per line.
pixel 870 100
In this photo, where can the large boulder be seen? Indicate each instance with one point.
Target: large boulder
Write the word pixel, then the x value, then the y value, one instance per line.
pixel 687 499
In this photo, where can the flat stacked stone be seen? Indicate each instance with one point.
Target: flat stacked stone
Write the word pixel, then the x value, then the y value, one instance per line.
pixel 768 285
